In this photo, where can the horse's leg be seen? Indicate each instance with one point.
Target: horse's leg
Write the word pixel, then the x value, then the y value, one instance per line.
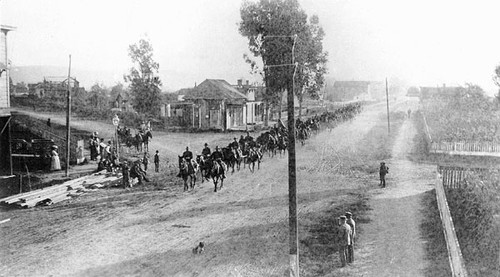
pixel 215 183
pixel 221 183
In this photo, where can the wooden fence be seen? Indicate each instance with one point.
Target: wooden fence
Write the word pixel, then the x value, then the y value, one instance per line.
pixel 452 177
pixel 456 260
pixel 461 147
pixel 470 148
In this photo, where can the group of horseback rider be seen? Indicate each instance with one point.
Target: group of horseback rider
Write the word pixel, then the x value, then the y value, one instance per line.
pixel 207 156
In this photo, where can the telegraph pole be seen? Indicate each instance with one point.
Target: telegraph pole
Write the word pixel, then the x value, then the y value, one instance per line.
pixel 68 115
pixel 387 97
pixel 292 178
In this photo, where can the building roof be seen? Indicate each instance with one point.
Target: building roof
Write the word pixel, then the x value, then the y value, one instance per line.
pixel 439 91
pixel 214 89
pixel 6 28
pixel 351 83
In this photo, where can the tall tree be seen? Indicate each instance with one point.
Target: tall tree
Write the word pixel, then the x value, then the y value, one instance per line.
pixel 99 96
pixel 143 78
pixel 270 26
pixel 496 79
pixel 312 60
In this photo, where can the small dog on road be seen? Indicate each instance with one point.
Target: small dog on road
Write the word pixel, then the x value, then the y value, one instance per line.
pixel 200 248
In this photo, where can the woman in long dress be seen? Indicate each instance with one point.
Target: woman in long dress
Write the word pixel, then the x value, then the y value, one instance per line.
pixel 55 163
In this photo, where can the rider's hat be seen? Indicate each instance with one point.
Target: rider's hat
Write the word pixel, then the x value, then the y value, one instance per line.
pixel 206 144
pixel 348 214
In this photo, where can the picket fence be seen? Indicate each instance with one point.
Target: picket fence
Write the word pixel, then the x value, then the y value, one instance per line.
pixel 460 147
pixel 466 147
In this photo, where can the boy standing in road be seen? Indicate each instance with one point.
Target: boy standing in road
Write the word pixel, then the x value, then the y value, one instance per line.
pixel 382 172
pixel 157 161
pixel 345 239
pixel 350 248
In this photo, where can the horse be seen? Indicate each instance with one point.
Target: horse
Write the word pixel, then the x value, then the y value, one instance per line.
pixel 188 172
pixel 302 135
pixel 238 155
pixel 229 157
pixel 216 173
pixel 272 145
pixel 145 139
pixel 204 166
pixel 282 145
pixel 252 157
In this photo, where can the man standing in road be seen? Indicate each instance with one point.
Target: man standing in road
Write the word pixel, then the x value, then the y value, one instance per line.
pixel 157 161
pixel 345 239
pixel 145 161
pixel 350 248
pixel 126 175
pixel 384 170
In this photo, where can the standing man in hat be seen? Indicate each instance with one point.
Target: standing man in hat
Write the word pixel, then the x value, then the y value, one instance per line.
pixel 384 170
pixel 145 161
pixel 157 161
pixel 126 175
pixel 345 239
pixel 350 248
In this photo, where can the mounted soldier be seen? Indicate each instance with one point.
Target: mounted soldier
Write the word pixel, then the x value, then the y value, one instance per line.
pixel 206 152
pixel 234 144
pixel 188 157
pixel 218 156
pixel 248 137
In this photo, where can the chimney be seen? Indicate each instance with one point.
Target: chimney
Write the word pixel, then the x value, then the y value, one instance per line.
pixel 248 82
pixel 240 82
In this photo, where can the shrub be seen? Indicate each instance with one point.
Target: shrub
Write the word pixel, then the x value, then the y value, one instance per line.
pixel 475 211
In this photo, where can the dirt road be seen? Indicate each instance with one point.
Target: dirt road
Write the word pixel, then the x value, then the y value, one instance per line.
pixel 244 226
pixel 391 245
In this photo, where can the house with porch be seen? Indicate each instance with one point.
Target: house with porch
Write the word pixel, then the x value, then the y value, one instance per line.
pixel 5 114
pixel 214 104
pixel 255 107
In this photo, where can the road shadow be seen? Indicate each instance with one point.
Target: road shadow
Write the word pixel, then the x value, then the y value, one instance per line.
pixel 239 206
pixel 256 250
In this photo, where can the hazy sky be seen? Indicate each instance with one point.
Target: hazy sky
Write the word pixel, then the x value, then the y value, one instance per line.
pixel 426 42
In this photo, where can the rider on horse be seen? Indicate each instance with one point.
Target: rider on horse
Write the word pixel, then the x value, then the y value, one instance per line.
pixel 248 137
pixel 234 144
pixel 188 157
pixel 206 152
pixel 218 156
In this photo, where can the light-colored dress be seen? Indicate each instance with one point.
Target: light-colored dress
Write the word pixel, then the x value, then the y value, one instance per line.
pixel 55 163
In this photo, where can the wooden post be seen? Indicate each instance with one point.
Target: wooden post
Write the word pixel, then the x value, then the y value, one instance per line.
pixel 292 185
pixel 68 115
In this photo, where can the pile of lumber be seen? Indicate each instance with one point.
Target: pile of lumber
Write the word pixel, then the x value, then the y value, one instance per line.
pixel 61 192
